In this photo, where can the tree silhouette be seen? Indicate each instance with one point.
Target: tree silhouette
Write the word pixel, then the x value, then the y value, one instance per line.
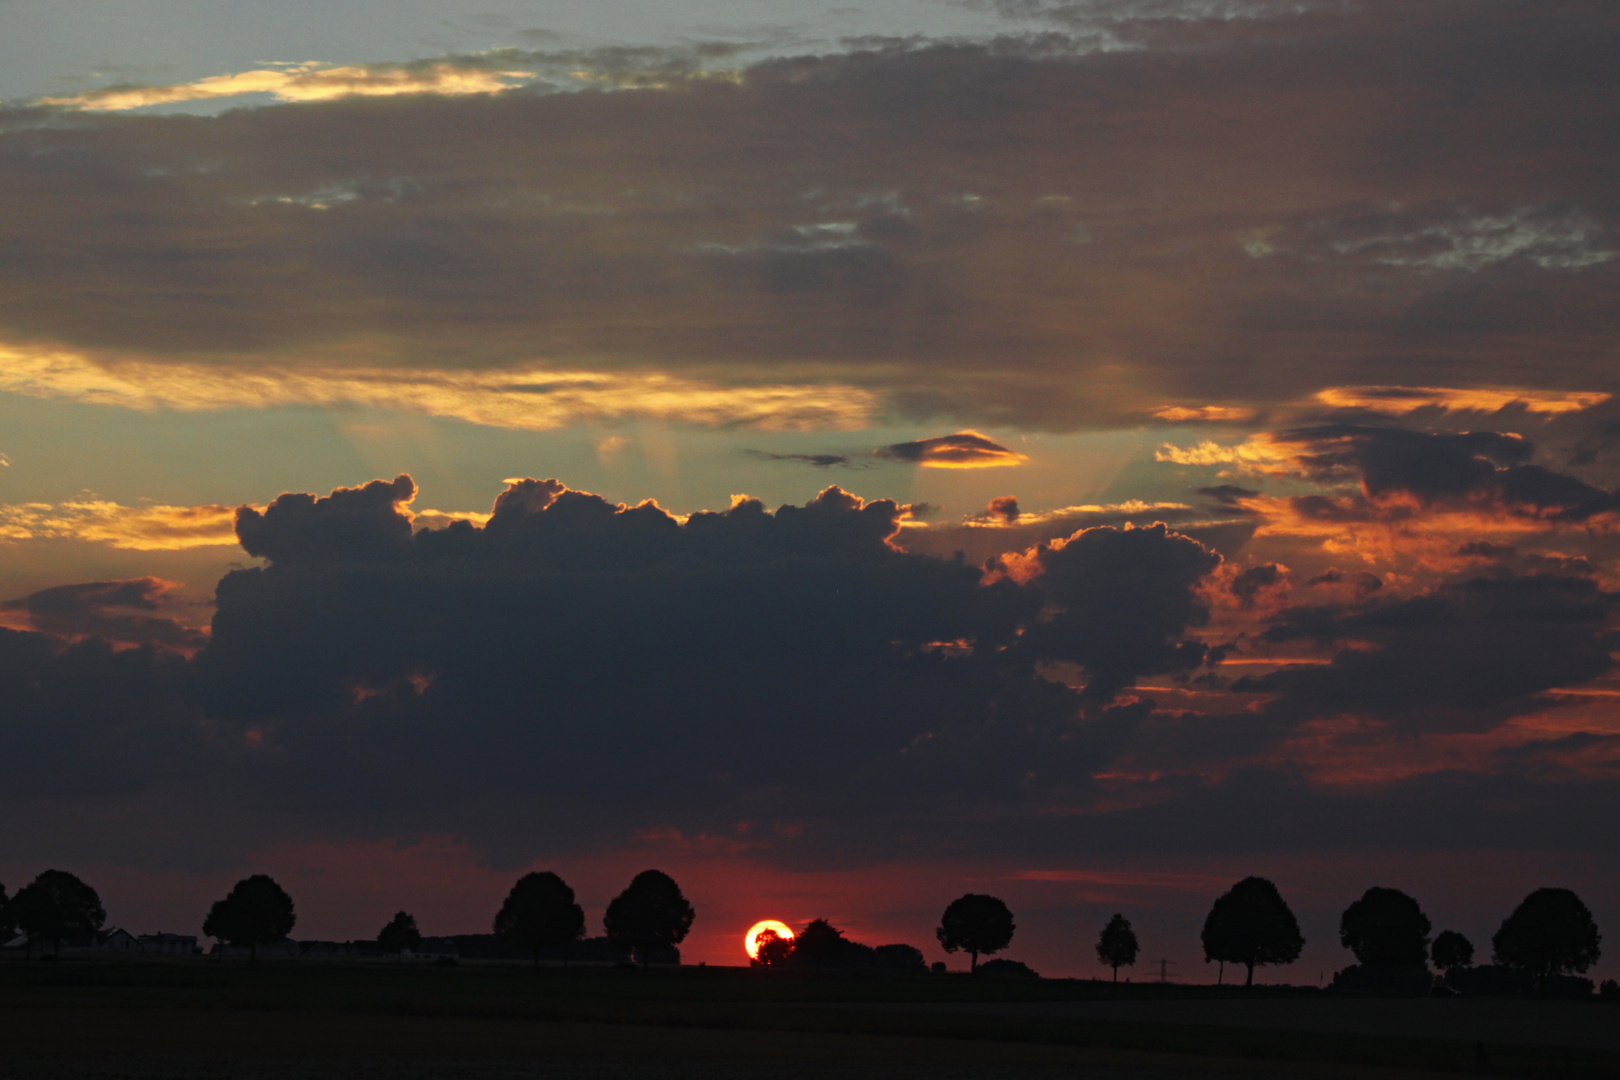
pixel 819 943
pixel 400 935
pixel 255 912
pixel 650 914
pixel 1386 929
pixel 540 913
pixel 1252 925
pixel 976 924
pixel 1549 933
pixel 8 921
pixel 56 905
pixel 772 949
pixel 1117 946
pixel 1451 950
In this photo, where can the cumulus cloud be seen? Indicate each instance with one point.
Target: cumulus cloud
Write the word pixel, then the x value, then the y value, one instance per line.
pixel 963 450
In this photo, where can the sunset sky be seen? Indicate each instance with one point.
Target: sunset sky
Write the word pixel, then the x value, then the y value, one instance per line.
pixel 1086 451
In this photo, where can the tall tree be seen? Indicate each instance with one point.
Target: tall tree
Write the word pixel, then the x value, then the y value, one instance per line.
pixel 1551 932
pixel 975 923
pixel 650 914
pixel 400 935
pixel 1451 950
pixel 820 944
pixel 1117 945
pixel 1386 929
pixel 1252 925
pixel 255 912
pixel 540 913
pixel 8 921
pixel 773 949
pixel 56 905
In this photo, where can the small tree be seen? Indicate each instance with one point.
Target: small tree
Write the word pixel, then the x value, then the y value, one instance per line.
pixel 976 924
pixel 400 935
pixel 1451 950
pixel 1386 929
pixel 255 912
pixel 540 913
pixel 1549 933
pixel 1117 946
pixel 56 905
pixel 772 949
pixel 650 914
pixel 1252 925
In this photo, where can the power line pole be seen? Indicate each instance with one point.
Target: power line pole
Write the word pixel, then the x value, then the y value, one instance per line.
pixel 1164 970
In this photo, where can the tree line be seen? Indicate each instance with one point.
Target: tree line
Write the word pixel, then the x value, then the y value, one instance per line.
pixel 1551 933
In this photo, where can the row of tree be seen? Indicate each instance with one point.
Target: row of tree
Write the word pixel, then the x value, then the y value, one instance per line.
pixel 1550 933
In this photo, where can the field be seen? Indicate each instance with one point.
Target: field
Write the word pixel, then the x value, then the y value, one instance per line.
pixel 84 1018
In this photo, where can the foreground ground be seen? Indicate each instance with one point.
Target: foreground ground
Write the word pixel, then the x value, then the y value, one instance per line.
pixel 196 1020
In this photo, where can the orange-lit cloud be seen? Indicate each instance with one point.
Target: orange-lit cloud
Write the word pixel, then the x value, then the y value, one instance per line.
pixel 1399 400
pixel 1179 414
pixel 309 81
pixel 530 398
pixel 963 450
pixel 140 528
pixel 1262 454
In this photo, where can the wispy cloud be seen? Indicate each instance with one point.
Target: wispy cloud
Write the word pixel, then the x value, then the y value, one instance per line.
pixel 310 81
pixel 1399 400
pixel 141 528
pixel 525 398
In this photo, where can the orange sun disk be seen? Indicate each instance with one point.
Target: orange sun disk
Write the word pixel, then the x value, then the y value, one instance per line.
pixel 751 939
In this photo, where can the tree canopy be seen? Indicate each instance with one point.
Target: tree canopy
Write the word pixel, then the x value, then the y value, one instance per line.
pixel 540 913
pixel 400 935
pixel 1386 929
pixel 975 924
pixel 8 921
pixel 1451 950
pixel 255 912
pixel 820 944
pixel 1117 946
pixel 1551 932
pixel 1252 925
pixel 57 905
pixel 650 914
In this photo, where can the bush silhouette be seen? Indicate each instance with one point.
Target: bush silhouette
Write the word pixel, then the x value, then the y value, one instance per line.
pixel 1007 969
pixel 56 905
pixel 1117 946
pixel 540 913
pixel 1550 933
pixel 650 914
pixel 255 912
pixel 975 923
pixel 1386 929
pixel 400 935
pixel 1252 925
pixel 1451 950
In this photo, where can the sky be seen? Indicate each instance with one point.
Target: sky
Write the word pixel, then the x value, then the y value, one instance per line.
pixel 1087 451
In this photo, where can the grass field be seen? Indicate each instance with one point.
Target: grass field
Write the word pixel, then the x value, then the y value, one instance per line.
pixel 201 1018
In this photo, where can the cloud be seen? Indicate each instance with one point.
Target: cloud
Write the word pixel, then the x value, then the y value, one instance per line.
pixel 1401 400
pixel 525 398
pixel 117 611
pixel 964 450
pixel 820 461
pixel 140 528
pixel 887 252
pixel 1204 414
pixel 309 81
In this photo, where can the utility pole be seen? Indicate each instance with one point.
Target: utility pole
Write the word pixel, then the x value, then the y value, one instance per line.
pixel 1164 970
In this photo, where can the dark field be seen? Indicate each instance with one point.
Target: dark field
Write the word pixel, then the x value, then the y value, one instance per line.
pixel 201 1019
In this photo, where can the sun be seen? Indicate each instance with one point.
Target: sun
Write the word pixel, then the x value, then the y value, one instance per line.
pixel 751 939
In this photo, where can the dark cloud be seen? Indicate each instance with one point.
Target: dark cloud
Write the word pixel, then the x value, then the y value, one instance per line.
pixel 1486 468
pixel 118 611
pixel 1250 583
pixel 820 461
pixel 1463 657
pixel 963 450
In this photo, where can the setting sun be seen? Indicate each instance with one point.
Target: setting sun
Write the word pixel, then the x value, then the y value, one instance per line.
pixel 751 939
